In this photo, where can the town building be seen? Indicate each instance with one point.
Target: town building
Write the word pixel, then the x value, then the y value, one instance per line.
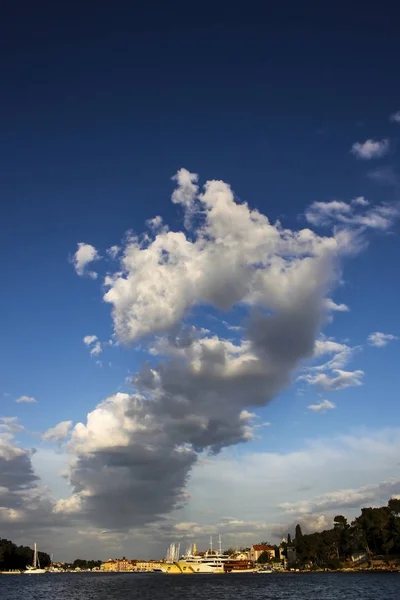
pixel 257 549
pixel 147 565
pixel 117 565
pixel 291 555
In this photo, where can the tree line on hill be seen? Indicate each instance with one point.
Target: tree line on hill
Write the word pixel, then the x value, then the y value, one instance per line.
pixel 19 557
pixel 13 557
pixel 80 563
pixel 375 533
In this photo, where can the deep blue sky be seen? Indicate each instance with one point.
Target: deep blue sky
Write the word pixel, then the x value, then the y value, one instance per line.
pixel 101 105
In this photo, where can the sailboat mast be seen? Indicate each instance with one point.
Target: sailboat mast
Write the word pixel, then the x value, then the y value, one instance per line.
pixel 220 544
pixel 34 556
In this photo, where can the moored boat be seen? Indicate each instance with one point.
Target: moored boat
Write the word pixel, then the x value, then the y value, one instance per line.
pixel 240 566
pixel 14 572
pixel 34 569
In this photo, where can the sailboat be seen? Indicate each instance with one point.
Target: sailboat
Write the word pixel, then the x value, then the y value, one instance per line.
pixel 34 568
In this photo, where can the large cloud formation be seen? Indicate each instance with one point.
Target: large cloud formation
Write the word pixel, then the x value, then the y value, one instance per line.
pixel 133 457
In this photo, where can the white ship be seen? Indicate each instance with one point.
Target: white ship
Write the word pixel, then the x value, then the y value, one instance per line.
pixel 34 569
pixel 192 562
pixel 209 562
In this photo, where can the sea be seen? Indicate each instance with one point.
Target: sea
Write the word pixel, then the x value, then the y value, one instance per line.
pixel 149 586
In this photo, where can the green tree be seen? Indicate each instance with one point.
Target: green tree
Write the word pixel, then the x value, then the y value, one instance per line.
pixel 289 538
pixel 263 558
pixel 343 536
pixel 298 532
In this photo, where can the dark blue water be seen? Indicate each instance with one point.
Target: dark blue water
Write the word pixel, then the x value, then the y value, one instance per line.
pixel 284 586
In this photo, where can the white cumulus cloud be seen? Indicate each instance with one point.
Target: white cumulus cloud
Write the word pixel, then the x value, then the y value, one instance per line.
pixel 235 256
pixel 370 149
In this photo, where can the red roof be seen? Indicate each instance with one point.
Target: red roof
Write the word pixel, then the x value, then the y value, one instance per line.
pixel 261 547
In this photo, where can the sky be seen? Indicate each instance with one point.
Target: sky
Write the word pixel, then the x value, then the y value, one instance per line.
pixel 200 231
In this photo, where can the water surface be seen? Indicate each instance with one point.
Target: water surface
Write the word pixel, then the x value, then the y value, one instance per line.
pixel 127 586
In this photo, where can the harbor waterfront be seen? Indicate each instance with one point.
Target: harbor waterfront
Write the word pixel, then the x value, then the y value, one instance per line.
pixel 104 586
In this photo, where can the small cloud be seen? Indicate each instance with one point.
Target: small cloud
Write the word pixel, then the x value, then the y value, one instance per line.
pixel 322 406
pixel 395 117
pixel 58 433
pixel 384 175
pixel 332 306
pixel 94 344
pixel 379 339
pixel 155 223
pixel 26 399
pixel 370 149
pixel 83 257
pixel 232 327
pixel 113 251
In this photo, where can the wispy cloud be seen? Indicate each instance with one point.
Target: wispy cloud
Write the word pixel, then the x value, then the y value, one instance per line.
pixel 348 498
pixel 370 149
pixel 385 175
pixel 322 406
pixel 357 213
pixel 379 339
pixel 341 379
pixel 395 117
pixel 113 251
pixel 10 425
pixel 26 399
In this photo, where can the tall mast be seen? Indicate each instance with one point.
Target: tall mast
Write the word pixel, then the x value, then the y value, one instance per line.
pixel 220 544
pixel 210 544
pixel 34 556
